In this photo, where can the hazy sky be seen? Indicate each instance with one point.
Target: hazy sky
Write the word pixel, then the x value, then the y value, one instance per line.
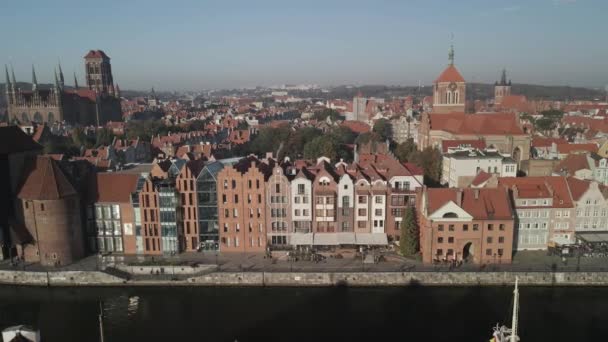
pixel 211 44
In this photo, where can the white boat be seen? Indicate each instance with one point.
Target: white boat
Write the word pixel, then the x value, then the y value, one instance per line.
pixel 20 333
pixel 502 333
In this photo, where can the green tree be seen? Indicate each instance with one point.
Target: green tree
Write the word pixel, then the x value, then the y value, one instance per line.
pixel 405 150
pixel 430 160
pixel 321 146
pixel 409 236
pixel 383 128
pixel 327 112
pixel 104 137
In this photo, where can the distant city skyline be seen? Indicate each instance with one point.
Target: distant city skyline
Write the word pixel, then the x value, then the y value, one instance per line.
pixel 193 45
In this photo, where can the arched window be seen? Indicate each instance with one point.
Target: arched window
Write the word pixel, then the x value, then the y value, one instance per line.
pixel 38 117
pixel 24 118
pixel 450 215
pixel 449 97
pixel 51 118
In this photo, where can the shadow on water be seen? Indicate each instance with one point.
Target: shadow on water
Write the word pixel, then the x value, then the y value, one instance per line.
pixel 340 313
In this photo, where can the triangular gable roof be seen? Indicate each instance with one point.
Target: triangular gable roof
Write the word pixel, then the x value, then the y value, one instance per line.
pixel 46 181
pixel 450 207
pixel 450 74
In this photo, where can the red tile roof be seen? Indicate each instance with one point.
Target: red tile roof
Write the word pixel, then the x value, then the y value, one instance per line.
pixel 481 178
pixel 540 187
pixel 477 124
pixel 578 187
pixel 357 126
pixel 115 187
pixel 46 181
pixel 570 148
pixel 572 163
pixel 450 74
pixel 547 142
pixel 491 203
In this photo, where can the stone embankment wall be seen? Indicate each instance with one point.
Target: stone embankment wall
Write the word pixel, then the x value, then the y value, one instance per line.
pixel 313 279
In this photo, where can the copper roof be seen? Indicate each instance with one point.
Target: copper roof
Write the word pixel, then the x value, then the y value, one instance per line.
pixel 46 181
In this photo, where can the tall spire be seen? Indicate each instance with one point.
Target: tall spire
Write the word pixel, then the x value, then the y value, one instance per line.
pixel 7 84
pixel 503 78
pixel 61 79
pixel 75 81
pixel 56 80
pixel 451 55
pixel 34 80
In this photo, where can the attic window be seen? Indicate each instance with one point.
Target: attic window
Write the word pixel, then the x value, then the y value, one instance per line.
pixel 450 215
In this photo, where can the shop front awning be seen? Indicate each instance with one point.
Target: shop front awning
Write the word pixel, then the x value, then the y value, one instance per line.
pixel 301 239
pixel 371 239
pixel 593 237
pixel 325 239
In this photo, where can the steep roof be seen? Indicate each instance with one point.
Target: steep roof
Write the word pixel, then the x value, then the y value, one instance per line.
pixel 474 124
pixel 14 140
pixel 572 163
pixel 46 181
pixel 578 187
pixel 96 54
pixel 450 74
pixel 490 203
pixel 115 187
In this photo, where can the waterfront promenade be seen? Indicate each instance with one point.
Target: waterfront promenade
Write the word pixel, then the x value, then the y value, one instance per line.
pixel 209 269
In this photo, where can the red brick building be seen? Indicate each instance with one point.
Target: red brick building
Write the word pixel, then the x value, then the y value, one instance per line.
pixel 475 225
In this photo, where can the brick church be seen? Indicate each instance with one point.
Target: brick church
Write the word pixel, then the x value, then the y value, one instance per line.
pixel 95 104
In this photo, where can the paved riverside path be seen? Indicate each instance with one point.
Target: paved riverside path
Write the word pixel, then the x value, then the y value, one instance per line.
pixel 526 261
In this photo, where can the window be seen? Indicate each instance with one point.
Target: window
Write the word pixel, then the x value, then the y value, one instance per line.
pixel 226 212
pixel 362 212
pixel 297 212
pixel 501 226
pixel 451 227
pixel 361 224
pixel 501 239
pixel 378 199
pixel 488 251
pixel 450 252
pixel 319 200
pixel 234 184
pixel 490 227
pixel 451 239
pixel 345 201
pixel 440 239
pixel 378 212
pixel 489 239
pixel 362 199
pixel 277 188
pixel 41 206
pixel 500 252
pixel 300 189
pixel 465 227
pixel 440 228
pixel 440 251
pixel 475 227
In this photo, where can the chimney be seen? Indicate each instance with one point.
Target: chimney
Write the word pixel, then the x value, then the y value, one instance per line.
pixel 476 192
pixel 459 194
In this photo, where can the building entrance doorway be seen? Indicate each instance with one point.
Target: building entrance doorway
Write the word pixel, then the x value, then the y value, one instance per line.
pixel 467 252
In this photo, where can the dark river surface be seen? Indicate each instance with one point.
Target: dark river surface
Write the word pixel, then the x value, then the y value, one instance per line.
pixel 305 314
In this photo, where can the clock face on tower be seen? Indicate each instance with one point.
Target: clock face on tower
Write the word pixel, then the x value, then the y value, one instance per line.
pixel 452 86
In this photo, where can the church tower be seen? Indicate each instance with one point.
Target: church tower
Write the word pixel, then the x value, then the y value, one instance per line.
pixel 502 88
pixel 449 89
pixel 99 72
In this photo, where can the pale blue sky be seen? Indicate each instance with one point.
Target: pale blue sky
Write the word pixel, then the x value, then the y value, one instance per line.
pixel 211 44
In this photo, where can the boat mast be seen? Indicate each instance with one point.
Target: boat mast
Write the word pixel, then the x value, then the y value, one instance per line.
pixel 514 337
pixel 101 339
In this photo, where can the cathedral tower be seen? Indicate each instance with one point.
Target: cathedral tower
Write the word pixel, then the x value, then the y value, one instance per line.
pixel 502 88
pixel 99 72
pixel 449 89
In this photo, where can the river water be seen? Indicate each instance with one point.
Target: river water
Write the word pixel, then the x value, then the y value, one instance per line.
pixel 305 314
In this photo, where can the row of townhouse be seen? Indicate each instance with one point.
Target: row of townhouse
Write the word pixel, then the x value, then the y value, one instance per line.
pixel 264 203
pixel 249 204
